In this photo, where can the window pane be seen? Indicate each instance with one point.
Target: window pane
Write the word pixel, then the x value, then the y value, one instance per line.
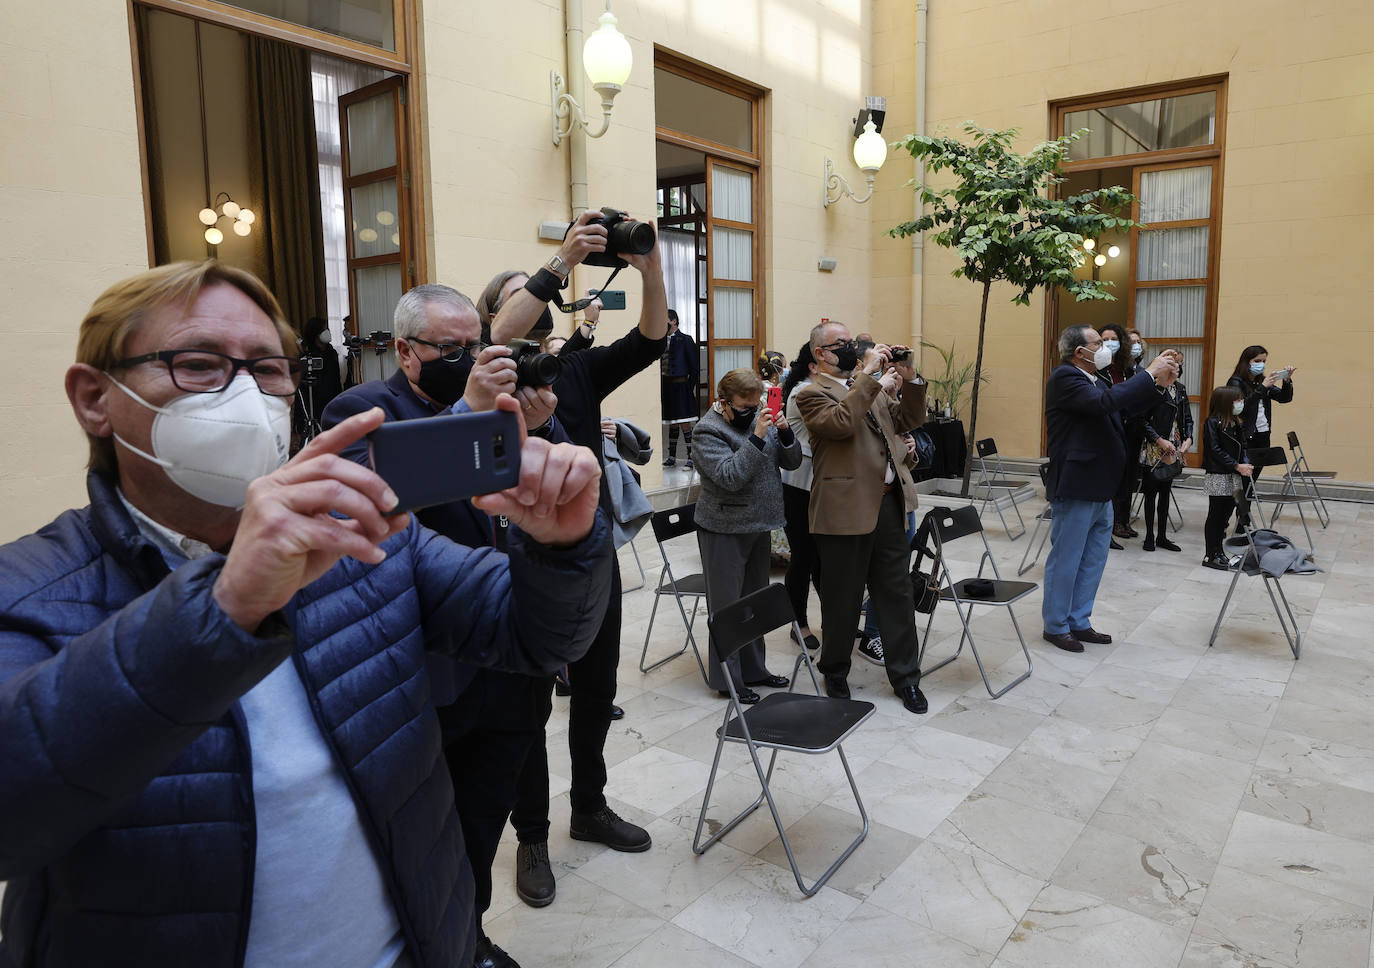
pixel 375 227
pixel 704 112
pixel 1172 254
pixel 1176 195
pixel 366 21
pixel 1169 312
pixel 732 254
pixel 733 358
pixel 732 195
pixel 378 289
pixel 734 314
pixel 371 135
pixel 1125 129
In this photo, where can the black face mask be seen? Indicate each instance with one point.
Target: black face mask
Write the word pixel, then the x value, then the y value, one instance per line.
pixel 444 382
pixel 743 419
pixel 846 357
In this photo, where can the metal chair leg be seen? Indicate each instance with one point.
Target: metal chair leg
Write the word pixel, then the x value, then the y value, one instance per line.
pixel 640 566
pixel 1235 577
pixel 1295 637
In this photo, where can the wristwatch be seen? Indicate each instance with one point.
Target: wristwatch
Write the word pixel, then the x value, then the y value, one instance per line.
pixel 558 267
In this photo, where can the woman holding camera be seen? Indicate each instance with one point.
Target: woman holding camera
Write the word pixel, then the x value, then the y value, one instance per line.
pixel 1223 458
pixel 1259 394
pixel 739 447
pixel 1168 435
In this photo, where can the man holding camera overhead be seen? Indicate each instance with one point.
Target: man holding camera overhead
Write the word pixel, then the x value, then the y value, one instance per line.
pixel 860 494
pixel 601 238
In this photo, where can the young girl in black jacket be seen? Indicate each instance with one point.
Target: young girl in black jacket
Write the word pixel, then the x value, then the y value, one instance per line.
pixel 1223 459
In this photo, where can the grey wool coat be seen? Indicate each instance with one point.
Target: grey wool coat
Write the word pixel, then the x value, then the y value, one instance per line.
pixel 741 492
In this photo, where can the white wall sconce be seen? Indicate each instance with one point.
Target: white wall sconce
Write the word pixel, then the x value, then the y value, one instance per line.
pixel 240 218
pixel 870 151
pixel 607 58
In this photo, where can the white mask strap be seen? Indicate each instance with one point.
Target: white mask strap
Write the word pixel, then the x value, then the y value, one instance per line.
pixel 137 399
pixel 146 456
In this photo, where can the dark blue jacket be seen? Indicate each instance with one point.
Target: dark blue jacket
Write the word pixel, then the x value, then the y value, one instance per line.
pixel 1087 445
pixel 126 812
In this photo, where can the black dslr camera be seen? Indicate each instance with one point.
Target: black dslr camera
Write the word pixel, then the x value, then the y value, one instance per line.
pixel 622 235
pixel 900 356
pixel 533 367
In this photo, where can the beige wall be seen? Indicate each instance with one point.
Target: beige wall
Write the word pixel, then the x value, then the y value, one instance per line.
pixel 1298 189
pixel 71 223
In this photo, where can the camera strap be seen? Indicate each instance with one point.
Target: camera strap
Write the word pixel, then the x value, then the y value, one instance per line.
pixel 573 307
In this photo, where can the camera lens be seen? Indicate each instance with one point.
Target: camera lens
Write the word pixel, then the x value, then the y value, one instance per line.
pixel 635 238
pixel 537 370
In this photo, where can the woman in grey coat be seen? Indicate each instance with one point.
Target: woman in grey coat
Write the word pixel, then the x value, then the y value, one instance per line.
pixel 738 447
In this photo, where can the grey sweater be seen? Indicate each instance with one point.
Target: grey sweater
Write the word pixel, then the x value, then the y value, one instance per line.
pixel 741 492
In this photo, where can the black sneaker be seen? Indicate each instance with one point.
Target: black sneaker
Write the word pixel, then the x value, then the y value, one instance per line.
pixel 605 827
pixel 533 875
pixel 1218 562
pixel 871 648
pixel 488 954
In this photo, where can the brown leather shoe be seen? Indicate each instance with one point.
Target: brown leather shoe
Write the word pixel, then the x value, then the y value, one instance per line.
pixel 1091 635
pixel 1064 640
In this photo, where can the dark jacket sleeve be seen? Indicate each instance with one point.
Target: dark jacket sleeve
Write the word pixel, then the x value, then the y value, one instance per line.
pixel 85 729
pixel 1217 457
pixel 351 402
pixel 528 611
pixel 576 343
pixel 1088 396
pixel 1185 415
pixel 610 366
pixel 790 453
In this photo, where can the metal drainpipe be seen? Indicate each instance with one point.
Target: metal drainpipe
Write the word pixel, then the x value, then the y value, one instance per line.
pixel 577 138
pixel 918 240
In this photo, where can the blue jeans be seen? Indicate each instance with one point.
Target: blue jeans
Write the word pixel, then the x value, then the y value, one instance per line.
pixel 1079 538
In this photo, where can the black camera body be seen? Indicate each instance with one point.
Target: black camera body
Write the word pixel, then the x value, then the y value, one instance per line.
pixel 900 356
pixel 533 367
pixel 622 235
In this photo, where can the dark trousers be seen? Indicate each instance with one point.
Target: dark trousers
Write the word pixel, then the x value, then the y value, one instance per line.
pixel 734 565
pixel 882 561
pixel 487 734
pixel 1156 503
pixel 592 679
pixel 669 452
pixel 1218 513
pixel 804 566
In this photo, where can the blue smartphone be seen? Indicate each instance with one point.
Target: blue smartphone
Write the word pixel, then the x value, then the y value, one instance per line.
pixel 610 298
pixel 438 460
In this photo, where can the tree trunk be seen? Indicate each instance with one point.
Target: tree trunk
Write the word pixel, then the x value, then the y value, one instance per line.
pixel 977 381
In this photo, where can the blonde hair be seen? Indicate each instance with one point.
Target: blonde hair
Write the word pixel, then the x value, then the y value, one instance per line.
pixel 124 307
pixel 739 383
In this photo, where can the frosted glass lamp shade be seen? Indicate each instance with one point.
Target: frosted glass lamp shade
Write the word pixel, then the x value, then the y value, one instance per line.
pixel 208 217
pixel 246 216
pixel 1090 244
pixel 214 236
pixel 606 54
pixel 1099 259
pixel 242 228
pixel 1113 251
pixel 870 150
pixel 230 209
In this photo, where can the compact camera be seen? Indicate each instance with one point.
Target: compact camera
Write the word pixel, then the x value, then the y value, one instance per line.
pixel 899 356
pixel 533 367
pixel 623 235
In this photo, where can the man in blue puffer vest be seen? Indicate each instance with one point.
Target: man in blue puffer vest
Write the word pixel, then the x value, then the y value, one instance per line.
pixel 217 744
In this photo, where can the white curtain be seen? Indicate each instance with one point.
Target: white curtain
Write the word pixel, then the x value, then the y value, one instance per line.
pixel 1172 254
pixel 733 313
pixel 679 251
pixel 1166 312
pixel 330 79
pixel 1175 194
pixel 732 195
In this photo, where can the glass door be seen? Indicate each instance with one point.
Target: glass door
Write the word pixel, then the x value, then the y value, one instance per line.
pixel 732 267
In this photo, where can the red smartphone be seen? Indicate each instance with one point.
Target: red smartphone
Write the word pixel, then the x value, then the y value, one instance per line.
pixel 775 401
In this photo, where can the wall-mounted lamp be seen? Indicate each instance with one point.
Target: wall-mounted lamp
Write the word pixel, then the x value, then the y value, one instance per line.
pixel 607 58
pixel 240 218
pixel 870 151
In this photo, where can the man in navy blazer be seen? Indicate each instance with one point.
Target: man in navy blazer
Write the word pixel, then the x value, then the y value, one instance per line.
pixel 1087 445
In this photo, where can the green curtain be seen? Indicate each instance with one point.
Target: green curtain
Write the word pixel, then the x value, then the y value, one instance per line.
pixel 281 123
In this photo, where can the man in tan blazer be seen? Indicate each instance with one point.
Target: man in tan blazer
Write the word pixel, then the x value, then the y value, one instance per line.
pixel 860 494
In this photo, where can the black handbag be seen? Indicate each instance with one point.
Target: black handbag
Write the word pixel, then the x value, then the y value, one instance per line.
pixel 1166 472
pixel 925 585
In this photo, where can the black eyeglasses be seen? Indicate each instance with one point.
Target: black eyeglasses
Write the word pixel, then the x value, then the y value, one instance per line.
pixel 451 352
pixel 832 347
pixel 205 371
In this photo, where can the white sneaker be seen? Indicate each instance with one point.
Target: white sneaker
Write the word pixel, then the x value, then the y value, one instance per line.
pixel 872 649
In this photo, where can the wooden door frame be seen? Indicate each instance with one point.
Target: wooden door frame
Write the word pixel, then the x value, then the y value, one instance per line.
pixel 754 285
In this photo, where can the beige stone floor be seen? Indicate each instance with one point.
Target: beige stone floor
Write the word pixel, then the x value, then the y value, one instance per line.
pixel 1149 803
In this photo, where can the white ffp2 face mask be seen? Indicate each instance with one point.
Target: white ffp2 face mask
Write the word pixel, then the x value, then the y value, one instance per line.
pixel 1103 357
pixel 213 445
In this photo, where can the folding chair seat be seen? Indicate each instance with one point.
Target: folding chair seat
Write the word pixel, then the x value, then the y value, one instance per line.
pixel 1301 475
pixel 994 475
pixel 1243 545
pixel 781 721
pixel 1275 457
pixel 943 526
pixel 675 523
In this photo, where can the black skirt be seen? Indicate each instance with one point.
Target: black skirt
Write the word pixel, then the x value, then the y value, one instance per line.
pixel 679 399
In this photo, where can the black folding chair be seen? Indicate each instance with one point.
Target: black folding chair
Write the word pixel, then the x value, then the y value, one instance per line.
pixel 1299 474
pixel 1244 546
pixel 992 474
pixel 945 525
pixel 1274 457
pixel 791 721
pixel 667 525
pixel 1042 520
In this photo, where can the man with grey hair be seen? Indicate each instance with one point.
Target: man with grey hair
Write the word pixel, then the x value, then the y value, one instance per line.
pixel 1087 455
pixel 489 718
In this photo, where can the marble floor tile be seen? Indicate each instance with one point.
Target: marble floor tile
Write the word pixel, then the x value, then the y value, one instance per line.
pixel 1208 734
pixel 1025 839
pixel 1250 701
pixel 958 893
pixel 876 938
pixel 1105 709
pixel 757 913
pixel 585 927
pixel 911 802
pixel 732 793
pixel 1328 807
pixel 655 780
pixel 1332 762
pixel 1296 856
pixel 1130 682
pixel 947 756
pixel 650 717
pixel 1071 929
pixel 987 720
pixel 1101 750
pixel 671 945
pixel 1150 655
pixel 820 836
pixel 1158 881
pixel 1249 922
pixel 1072 792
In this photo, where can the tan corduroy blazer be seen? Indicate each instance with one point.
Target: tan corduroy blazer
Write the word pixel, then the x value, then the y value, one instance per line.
pixel 848 458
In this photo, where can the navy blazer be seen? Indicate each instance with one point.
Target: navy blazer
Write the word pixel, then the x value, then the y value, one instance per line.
pixel 1087 435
